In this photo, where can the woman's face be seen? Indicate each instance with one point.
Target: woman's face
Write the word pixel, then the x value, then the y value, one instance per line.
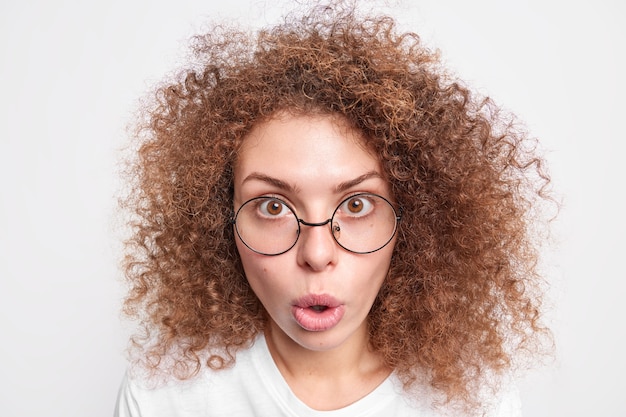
pixel 317 293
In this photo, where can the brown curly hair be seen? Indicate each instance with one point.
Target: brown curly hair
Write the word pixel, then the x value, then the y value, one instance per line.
pixel 462 295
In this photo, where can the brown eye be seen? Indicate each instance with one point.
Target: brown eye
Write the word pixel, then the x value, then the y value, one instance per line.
pixel 272 207
pixel 355 205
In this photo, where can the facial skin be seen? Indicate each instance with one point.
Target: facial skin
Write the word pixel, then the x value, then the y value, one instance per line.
pixel 312 162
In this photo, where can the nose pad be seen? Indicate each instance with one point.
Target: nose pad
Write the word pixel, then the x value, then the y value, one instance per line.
pixel 317 247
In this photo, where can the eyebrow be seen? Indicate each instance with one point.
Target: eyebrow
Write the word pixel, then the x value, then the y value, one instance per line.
pixel 270 180
pixel 345 186
pixel 341 187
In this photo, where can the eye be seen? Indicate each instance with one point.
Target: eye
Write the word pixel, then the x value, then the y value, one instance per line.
pixel 272 207
pixel 357 206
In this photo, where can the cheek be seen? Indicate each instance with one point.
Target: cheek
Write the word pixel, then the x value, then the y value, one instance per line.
pixel 248 258
pixel 383 256
pixel 255 268
pixel 381 267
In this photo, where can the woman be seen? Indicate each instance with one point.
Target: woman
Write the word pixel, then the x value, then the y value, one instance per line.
pixel 328 224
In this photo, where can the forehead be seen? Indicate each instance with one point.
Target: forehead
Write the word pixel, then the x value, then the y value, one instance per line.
pixel 297 136
pixel 305 150
pixel 285 130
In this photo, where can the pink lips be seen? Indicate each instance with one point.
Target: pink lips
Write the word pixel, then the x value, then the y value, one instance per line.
pixel 317 313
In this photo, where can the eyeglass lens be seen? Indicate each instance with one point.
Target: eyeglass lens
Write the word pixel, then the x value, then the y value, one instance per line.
pixel 362 223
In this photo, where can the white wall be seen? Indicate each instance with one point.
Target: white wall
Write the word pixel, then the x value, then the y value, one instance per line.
pixel 70 73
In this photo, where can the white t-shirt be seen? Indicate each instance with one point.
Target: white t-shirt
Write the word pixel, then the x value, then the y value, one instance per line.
pixel 255 387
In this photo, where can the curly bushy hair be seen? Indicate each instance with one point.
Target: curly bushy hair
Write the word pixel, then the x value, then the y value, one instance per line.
pixel 462 296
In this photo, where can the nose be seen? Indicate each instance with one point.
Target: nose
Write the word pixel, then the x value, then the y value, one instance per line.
pixel 316 248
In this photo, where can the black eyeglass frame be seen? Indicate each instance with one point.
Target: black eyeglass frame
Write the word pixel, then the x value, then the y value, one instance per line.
pixel 397 216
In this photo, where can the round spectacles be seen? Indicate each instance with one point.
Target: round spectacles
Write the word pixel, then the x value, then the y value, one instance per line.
pixel 362 223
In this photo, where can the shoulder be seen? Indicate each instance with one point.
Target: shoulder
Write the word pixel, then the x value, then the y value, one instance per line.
pixel 208 393
pixel 422 400
pixel 143 396
pixel 508 403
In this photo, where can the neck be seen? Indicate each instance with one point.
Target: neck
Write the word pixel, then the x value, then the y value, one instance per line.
pixel 294 359
pixel 328 379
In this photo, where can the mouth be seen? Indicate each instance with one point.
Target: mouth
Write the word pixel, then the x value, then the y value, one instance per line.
pixel 317 313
